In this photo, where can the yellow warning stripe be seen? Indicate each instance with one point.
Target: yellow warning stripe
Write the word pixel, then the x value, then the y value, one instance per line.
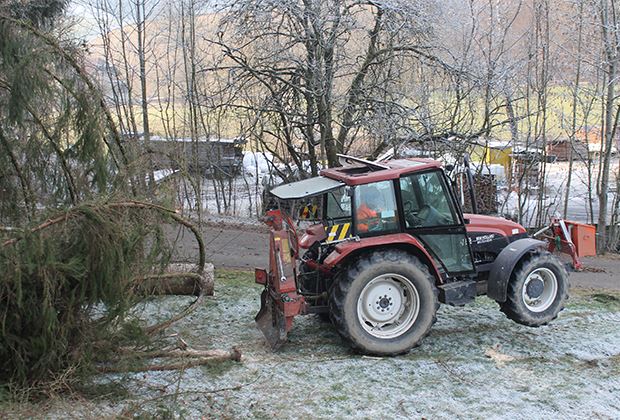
pixel 309 212
pixel 338 232
pixel 344 231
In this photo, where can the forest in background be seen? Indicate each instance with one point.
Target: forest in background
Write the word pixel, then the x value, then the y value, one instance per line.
pixel 305 80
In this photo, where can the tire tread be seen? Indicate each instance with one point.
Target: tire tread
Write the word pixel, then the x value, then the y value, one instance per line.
pixel 360 264
pixel 510 307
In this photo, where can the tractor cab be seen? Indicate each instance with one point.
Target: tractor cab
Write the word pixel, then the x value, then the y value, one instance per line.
pixel 415 199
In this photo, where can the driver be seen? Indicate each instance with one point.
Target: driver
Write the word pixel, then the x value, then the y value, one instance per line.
pixel 368 212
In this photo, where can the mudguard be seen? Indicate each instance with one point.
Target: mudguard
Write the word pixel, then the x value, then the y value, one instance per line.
pixel 505 263
pixel 344 249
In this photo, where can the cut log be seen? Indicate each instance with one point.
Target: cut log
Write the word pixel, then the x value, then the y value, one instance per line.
pixel 179 279
pixel 188 359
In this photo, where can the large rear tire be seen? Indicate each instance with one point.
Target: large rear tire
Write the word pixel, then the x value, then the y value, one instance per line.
pixel 385 303
pixel 537 291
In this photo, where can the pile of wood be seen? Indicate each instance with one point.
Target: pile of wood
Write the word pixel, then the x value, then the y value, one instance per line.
pixel 486 194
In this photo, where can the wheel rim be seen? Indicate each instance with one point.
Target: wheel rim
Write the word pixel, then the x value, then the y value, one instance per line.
pixel 388 306
pixel 539 289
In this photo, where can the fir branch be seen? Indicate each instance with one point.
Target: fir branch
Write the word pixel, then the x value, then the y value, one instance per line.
pixel 26 189
pixel 59 153
pixel 199 358
pixel 62 52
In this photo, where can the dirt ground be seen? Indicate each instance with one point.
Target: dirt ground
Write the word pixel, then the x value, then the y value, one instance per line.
pixel 246 246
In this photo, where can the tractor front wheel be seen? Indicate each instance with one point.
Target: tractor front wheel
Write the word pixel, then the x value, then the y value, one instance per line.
pixel 537 291
pixel 385 303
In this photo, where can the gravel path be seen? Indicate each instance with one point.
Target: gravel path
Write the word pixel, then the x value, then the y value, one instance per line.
pixel 226 246
pixel 246 246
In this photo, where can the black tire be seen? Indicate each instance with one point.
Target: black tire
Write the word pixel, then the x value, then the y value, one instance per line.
pixel 363 277
pixel 544 308
pixel 324 317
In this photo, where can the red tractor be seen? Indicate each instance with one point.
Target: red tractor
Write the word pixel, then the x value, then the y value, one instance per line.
pixel 393 243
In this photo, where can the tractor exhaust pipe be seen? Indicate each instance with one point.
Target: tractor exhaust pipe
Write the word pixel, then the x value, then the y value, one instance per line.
pixel 470 182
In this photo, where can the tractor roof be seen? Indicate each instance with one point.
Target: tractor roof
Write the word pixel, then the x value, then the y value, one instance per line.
pixel 306 188
pixel 364 172
pixel 354 172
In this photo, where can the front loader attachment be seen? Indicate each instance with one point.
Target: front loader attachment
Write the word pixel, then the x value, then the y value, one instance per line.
pixel 279 300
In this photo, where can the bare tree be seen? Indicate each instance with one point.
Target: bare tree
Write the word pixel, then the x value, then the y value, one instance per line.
pixel 575 102
pixel 319 75
pixel 611 111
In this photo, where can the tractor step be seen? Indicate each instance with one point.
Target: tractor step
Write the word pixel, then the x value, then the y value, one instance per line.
pixel 459 293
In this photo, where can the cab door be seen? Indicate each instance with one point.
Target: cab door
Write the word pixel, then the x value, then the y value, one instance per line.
pixel 429 213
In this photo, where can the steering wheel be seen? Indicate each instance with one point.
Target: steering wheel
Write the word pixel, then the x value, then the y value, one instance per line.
pixel 411 215
pixel 372 223
pixel 424 212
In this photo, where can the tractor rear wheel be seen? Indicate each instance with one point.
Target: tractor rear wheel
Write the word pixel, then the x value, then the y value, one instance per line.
pixel 384 303
pixel 536 291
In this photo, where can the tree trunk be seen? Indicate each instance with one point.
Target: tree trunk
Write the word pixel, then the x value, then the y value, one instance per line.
pixel 574 111
pixel 179 279
pixel 610 48
pixel 141 26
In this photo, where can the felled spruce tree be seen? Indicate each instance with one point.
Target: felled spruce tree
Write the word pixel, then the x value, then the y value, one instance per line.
pixel 74 240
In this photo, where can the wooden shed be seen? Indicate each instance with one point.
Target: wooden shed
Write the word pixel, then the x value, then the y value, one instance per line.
pixel 212 157
pixel 561 149
pixel 494 152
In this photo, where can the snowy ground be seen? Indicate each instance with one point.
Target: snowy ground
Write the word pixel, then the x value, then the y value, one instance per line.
pixel 556 180
pixel 475 364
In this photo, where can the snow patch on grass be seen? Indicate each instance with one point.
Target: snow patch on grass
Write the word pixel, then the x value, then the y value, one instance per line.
pixel 568 368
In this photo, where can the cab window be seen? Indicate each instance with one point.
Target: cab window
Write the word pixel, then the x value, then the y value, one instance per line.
pixel 426 201
pixel 338 204
pixel 375 208
pixel 427 207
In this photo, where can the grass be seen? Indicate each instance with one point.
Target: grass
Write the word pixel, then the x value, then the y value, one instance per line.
pixel 570 362
pixel 236 279
pixel 591 299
